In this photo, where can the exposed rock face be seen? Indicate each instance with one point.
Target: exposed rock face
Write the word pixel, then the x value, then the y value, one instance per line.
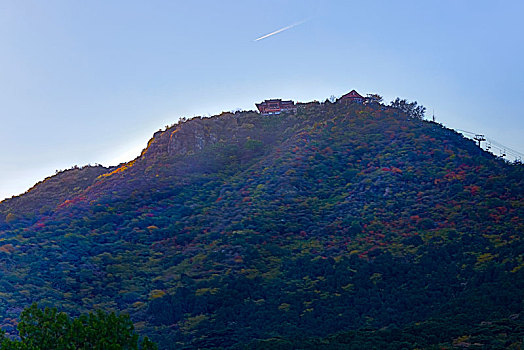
pixel 198 133
pixel 191 137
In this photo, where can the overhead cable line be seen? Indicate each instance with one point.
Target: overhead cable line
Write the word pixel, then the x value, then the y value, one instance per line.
pixel 493 144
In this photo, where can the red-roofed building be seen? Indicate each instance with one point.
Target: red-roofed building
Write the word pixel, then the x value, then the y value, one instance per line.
pixel 276 106
pixel 351 97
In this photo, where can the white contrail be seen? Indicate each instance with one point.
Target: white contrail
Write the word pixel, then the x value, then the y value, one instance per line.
pixel 281 30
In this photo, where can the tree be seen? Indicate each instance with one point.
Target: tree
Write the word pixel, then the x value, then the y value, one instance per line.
pixel 410 108
pixel 374 98
pixel 10 218
pixel 49 329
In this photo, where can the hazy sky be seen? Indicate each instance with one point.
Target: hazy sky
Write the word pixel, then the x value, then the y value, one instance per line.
pixel 91 81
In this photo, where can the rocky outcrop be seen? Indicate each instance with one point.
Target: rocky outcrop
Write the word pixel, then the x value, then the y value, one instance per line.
pixel 198 133
pixel 191 137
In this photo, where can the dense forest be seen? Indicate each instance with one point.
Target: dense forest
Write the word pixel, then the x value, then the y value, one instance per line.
pixel 340 226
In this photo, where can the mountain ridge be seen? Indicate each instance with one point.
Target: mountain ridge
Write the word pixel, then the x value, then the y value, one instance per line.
pixel 241 227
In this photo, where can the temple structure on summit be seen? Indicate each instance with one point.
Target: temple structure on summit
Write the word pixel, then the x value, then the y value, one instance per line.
pixel 352 97
pixel 276 106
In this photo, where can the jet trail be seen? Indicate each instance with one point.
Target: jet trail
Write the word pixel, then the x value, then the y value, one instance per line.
pixel 280 30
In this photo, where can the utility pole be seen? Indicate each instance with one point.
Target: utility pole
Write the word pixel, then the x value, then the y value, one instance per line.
pixel 479 138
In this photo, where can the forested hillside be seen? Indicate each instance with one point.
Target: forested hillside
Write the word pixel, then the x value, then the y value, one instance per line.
pixel 343 225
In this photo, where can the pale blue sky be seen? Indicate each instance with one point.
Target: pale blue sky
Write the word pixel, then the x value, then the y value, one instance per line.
pixel 90 82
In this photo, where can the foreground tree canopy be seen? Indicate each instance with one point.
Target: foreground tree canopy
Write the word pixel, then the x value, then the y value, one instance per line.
pixel 49 329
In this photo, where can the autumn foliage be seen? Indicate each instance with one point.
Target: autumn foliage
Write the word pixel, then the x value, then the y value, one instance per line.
pixel 336 223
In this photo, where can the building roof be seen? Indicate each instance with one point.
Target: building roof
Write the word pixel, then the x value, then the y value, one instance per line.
pixel 352 94
pixel 275 106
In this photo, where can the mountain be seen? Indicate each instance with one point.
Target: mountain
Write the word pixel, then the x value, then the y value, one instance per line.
pixel 340 226
pixel 54 190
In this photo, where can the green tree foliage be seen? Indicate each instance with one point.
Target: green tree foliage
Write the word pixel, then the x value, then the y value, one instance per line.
pixel 431 334
pixel 374 98
pixel 412 109
pixel 339 219
pixel 49 329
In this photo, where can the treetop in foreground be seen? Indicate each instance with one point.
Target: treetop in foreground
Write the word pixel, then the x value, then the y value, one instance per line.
pixel 49 329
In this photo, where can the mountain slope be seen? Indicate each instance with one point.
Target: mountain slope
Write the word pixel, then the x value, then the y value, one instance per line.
pixel 47 194
pixel 242 227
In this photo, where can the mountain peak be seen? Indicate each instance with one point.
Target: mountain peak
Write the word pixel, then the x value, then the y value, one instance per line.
pixel 336 218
